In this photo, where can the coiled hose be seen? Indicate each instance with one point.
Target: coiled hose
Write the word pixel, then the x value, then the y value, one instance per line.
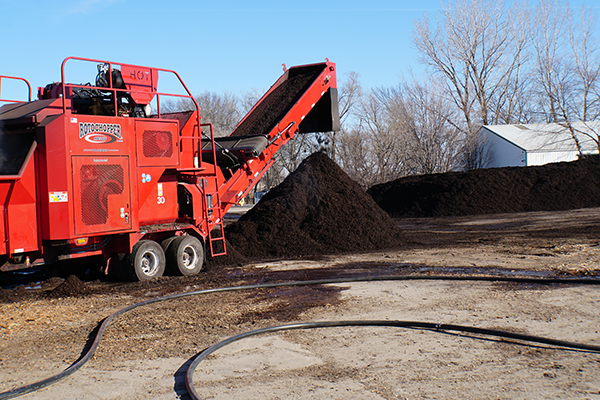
pixel 422 325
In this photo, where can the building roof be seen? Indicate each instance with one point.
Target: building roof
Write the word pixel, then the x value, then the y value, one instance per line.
pixel 549 137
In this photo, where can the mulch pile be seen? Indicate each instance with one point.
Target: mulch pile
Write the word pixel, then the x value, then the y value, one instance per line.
pixel 72 286
pixel 317 210
pixel 551 187
pixel 233 256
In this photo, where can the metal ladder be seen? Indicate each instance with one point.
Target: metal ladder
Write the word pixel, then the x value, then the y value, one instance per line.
pixel 217 233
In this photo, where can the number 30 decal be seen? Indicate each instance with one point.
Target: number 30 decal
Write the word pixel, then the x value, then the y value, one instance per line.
pixel 160 200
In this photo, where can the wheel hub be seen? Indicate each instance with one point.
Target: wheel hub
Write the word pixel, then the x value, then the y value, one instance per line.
pixel 189 257
pixel 149 263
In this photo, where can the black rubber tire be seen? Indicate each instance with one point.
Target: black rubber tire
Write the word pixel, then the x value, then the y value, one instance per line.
pixel 118 268
pixel 166 243
pixel 185 256
pixel 147 261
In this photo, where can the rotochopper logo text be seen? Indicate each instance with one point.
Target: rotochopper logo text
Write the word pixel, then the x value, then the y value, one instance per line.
pixel 99 133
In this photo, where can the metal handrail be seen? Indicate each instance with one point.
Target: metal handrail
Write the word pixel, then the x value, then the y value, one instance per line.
pixel 115 90
pixel 19 79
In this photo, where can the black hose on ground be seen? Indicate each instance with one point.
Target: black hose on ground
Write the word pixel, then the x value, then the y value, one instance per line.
pixel 106 322
pixel 189 383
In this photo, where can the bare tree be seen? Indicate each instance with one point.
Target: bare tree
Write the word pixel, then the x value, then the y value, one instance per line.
pixel 586 57
pixel 221 110
pixel 434 143
pixel 567 68
pixel 552 73
pixel 386 150
pixel 477 52
pixel 354 156
pixel 510 103
pixel 582 103
pixel 350 92
pixel 398 131
pixel 249 99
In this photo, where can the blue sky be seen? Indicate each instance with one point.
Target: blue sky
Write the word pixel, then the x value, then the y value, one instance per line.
pixel 225 45
pixel 218 46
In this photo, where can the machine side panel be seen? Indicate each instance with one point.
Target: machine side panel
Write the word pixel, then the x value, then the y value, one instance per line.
pixel 18 192
pixel 102 191
pixel 98 135
pixel 157 143
pixel 157 193
pixel 54 172
pixel 157 150
pixel 22 216
pixel 4 188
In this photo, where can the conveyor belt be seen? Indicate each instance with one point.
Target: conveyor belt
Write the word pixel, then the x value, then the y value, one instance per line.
pixel 272 108
pixel 239 149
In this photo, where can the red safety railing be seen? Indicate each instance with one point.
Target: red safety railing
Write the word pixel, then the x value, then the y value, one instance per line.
pixel 148 90
pixel 151 92
pixel 18 79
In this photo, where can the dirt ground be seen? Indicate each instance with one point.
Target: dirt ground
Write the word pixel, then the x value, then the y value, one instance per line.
pixel 145 353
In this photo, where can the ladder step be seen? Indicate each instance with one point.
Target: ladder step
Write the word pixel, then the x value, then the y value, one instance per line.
pixel 218 239
pixel 216 236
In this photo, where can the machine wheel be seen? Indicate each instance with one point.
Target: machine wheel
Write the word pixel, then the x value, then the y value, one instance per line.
pixel 146 261
pixel 166 243
pixel 118 268
pixel 185 256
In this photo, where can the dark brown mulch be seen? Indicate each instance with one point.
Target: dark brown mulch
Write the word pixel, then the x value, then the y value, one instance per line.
pixel 551 187
pixel 232 258
pixel 277 104
pixel 317 210
pixel 72 286
pixel 5 296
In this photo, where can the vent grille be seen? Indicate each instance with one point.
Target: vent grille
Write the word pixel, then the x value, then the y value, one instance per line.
pixel 97 183
pixel 157 144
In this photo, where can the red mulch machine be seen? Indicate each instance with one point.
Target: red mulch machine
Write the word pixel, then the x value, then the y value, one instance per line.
pixel 97 169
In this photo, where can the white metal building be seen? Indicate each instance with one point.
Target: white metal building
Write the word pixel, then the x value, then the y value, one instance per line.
pixel 537 144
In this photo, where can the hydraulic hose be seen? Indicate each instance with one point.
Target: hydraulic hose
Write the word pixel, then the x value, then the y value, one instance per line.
pixel 107 321
pixel 189 383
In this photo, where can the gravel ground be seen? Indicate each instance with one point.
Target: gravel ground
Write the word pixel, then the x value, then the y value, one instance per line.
pixel 145 353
